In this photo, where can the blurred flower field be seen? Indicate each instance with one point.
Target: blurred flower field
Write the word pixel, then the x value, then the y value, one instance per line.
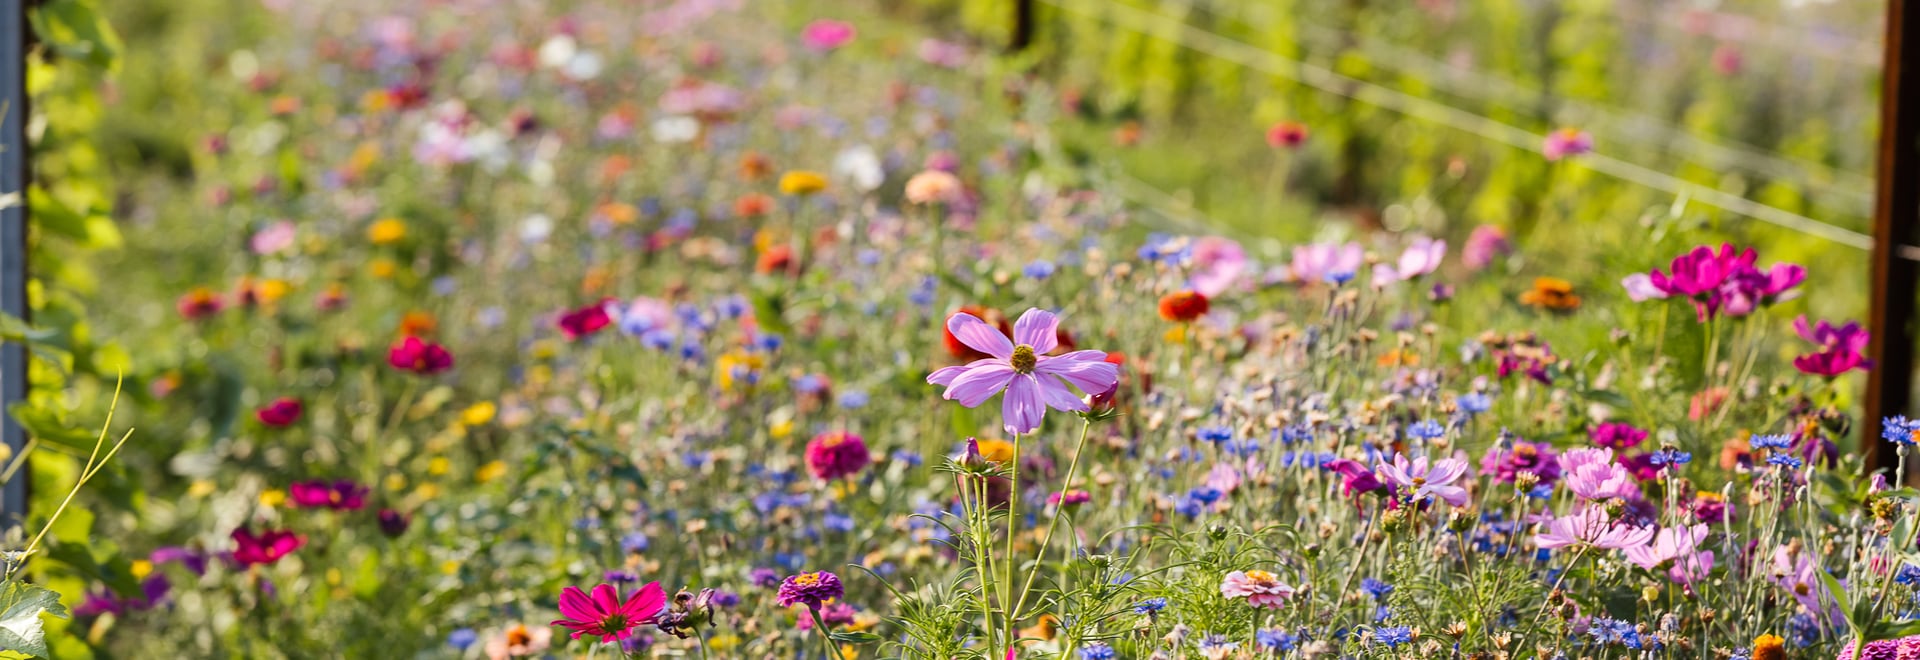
pixel 728 329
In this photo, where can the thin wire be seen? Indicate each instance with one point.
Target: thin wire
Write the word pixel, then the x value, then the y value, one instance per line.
pixel 1854 188
pixel 1179 32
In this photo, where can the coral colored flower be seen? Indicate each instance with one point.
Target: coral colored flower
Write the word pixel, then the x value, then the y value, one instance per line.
pixel 1566 142
pixel 1551 293
pixel 585 320
pixel 340 495
pixel 826 35
pixel 934 187
pixel 810 589
pixel 836 455
pixel 283 412
pixel 1419 480
pixel 1183 306
pixel 1841 348
pixel 266 547
pixel 1287 135
pixel 605 614
pixel 199 303
pixel 420 357
pixel 1260 588
pixel 1033 381
pixel 518 640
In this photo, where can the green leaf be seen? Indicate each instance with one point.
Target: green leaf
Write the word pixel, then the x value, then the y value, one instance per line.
pixel 76 29
pixel 853 637
pixel 21 605
pixel 15 330
pixel 49 425
pixel 1840 596
pixel 769 310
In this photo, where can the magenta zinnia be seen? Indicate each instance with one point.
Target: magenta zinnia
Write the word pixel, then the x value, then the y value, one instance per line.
pixel 810 589
pixel 605 614
pixel 1033 380
pixel 836 455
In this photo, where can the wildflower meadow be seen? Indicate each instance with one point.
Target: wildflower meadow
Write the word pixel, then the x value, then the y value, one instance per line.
pixel 800 330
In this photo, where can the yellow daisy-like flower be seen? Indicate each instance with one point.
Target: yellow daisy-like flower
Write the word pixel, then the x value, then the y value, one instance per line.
pixel 427 491
pixel 273 498
pixel 387 231
pixel 490 471
pixel 271 290
pixel 439 466
pixel 802 183
pixel 139 568
pixel 737 365
pixel 479 413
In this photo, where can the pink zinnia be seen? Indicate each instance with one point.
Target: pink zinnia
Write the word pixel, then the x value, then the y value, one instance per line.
pixel 1260 588
pixel 264 548
pixel 604 614
pixel 412 354
pixel 1033 381
pixel 825 35
pixel 1420 480
pixel 836 455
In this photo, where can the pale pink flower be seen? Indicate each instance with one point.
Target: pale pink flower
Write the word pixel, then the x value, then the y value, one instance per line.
pixel 1679 545
pixel 1593 475
pixel 1260 588
pixel 1590 526
pixel 1426 480
pixel 1217 265
pixel 276 237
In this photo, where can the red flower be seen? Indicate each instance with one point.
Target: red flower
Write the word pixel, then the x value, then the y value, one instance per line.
pixel 959 349
pixel 776 259
pixel 420 357
pixel 1287 134
pixel 282 413
pixel 586 320
pixel 1183 306
pixel 605 614
pixel 265 548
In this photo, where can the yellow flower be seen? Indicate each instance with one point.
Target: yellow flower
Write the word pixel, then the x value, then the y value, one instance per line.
pixel 427 491
pixel 139 568
pixel 479 413
pixel 802 183
pixel 450 567
pixel 781 430
pixel 387 231
pixel 201 488
pixel 737 365
pixel 396 482
pixel 382 268
pixel 438 466
pixel 997 451
pixel 333 577
pixel 374 101
pixel 271 291
pixel 273 498
pixel 723 643
pixel 364 157
pixel 490 471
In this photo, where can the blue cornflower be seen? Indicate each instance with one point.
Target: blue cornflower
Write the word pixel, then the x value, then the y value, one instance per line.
pixel 767 341
pixel 462 638
pixel 1376 588
pixel 853 400
pixel 1394 636
pixel 1783 460
pixel 1608 632
pixel 1216 642
pixel 634 542
pixel 1475 403
pixel 1150 605
pixel 1426 430
pixel 1770 442
pixel 1039 270
pixel 1908 574
pixel 1296 433
pixel 1215 434
pixel 1275 639
pixel 1205 494
pixel 1898 429
pixel 1097 651
pixel 1670 456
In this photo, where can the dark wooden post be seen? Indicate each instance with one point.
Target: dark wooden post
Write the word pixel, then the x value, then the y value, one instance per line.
pixel 1022 26
pixel 14 41
pixel 1896 224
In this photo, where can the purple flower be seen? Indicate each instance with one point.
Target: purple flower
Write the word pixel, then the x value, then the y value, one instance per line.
pixel 1840 348
pixel 1032 380
pixel 1425 480
pixel 1355 479
pixel 810 589
pixel 1486 243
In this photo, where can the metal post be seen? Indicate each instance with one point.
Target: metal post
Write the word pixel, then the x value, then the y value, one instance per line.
pixel 15 38
pixel 1896 224
pixel 1022 26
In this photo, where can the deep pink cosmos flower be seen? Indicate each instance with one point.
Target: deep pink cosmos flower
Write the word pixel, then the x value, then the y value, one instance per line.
pixel 1420 480
pixel 1033 381
pixel 836 455
pixel 1725 281
pixel 1566 142
pixel 585 320
pixel 342 495
pixel 420 357
pixel 604 614
pixel 266 547
pixel 1617 435
pixel 826 35
pixel 282 413
pixel 1355 479
pixel 1260 588
pixel 1841 348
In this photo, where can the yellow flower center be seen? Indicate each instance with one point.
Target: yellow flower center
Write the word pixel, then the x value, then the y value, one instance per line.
pixel 1262 577
pixel 807 579
pixel 1024 359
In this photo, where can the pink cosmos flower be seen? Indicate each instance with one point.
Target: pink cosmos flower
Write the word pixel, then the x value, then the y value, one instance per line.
pixel 1217 265
pixel 827 35
pixel 1033 381
pixel 1841 348
pixel 1799 574
pixel 282 413
pixel 1421 257
pixel 1486 243
pixel 1680 546
pixel 1640 288
pixel 1593 475
pixel 1566 142
pixel 1590 526
pixel 266 547
pixel 1325 263
pixel 1726 281
pixel 276 237
pixel 605 614
pixel 342 495
pixel 1260 588
pixel 1424 480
